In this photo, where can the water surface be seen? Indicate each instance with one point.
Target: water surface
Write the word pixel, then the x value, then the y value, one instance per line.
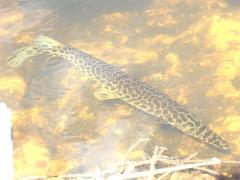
pixel 187 49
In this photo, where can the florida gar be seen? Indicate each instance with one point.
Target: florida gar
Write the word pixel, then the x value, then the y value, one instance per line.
pixel 117 84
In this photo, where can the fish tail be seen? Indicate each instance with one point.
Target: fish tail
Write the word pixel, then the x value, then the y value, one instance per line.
pixel 21 55
pixel 40 45
pixel 47 44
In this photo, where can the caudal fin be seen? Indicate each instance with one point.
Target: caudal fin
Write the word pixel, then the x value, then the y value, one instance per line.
pixel 40 45
pixel 21 55
pixel 44 43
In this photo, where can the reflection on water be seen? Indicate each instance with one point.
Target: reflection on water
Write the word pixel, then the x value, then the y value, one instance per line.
pixel 188 49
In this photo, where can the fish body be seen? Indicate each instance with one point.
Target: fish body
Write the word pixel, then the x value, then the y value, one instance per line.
pixel 122 86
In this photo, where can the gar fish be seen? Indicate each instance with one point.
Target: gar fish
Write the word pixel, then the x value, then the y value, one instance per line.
pixel 117 84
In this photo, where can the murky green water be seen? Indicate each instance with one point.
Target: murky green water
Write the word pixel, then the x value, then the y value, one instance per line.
pixel 188 49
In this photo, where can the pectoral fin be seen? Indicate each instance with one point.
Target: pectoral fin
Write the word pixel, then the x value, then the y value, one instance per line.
pixel 103 94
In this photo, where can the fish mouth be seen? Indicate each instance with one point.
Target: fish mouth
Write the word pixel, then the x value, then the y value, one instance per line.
pixel 225 149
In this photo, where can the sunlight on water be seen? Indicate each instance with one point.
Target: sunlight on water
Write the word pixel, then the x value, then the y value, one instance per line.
pixel 187 49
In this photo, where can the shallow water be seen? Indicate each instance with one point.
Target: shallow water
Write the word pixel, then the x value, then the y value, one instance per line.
pixel 187 49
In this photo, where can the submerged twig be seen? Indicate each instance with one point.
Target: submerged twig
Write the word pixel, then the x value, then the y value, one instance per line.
pixel 167 173
pixel 130 150
pixel 231 162
pixel 145 169
pixel 212 161
pixel 152 164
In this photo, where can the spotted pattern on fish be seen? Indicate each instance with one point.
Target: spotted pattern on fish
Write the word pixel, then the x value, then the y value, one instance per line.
pixel 126 88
